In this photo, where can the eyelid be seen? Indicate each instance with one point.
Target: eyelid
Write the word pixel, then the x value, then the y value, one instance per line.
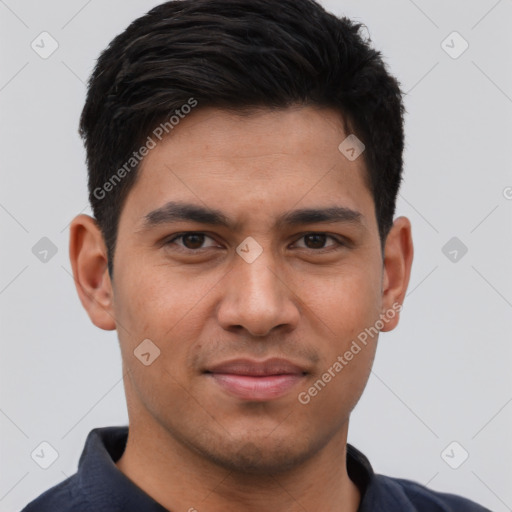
pixel 340 241
pixel 176 236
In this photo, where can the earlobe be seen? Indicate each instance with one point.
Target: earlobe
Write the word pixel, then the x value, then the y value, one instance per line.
pixel 398 257
pixel 88 256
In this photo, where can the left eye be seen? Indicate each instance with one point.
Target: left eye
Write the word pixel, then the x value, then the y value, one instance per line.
pixel 194 240
pixel 319 239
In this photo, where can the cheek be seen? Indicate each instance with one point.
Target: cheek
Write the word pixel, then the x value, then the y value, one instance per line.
pixel 343 310
pixel 159 304
pixel 166 311
pixel 148 299
pixel 346 301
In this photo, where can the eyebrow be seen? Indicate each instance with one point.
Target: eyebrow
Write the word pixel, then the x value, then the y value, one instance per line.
pixel 175 211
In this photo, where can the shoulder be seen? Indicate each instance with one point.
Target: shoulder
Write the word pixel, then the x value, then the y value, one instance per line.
pixel 399 491
pixel 64 497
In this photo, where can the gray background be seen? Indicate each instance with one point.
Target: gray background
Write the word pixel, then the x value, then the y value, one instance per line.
pixel 443 375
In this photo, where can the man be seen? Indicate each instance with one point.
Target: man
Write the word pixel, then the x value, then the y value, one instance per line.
pixel 244 161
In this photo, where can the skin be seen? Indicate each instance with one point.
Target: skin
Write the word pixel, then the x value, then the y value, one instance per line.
pixel 191 445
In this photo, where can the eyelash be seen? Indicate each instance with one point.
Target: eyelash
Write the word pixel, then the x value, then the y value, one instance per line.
pixel 339 241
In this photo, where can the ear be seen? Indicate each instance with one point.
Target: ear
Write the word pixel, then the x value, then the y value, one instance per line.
pixel 398 256
pixel 88 255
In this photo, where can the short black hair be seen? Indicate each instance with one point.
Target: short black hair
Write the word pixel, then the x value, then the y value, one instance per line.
pixel 237 55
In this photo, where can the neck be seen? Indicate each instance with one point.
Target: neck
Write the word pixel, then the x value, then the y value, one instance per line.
pixel 180 479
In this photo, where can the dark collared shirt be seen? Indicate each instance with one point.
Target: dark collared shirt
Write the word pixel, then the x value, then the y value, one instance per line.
pixel 99 486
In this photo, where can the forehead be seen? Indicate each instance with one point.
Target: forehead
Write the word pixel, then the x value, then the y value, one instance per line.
pixel 248 134
pixel 262 163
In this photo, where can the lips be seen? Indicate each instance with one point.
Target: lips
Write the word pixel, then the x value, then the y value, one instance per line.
pixel 256 380
pixel 252 368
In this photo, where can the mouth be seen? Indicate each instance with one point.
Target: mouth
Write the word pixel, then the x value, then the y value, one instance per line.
pixel 256 380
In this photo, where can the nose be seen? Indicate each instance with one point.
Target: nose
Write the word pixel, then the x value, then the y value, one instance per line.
pixel 258 297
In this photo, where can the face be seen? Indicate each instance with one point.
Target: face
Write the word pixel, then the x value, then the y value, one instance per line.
pixel 251 308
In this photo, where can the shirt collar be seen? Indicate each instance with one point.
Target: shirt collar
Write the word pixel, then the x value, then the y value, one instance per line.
pixel 102 483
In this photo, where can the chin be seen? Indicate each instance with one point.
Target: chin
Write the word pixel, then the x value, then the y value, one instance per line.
pixel 258 457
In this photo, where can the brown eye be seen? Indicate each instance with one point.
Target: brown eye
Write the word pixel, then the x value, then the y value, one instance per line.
pixel 193 241
pixel 315 241
pixel 190 241
pixel 318 240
